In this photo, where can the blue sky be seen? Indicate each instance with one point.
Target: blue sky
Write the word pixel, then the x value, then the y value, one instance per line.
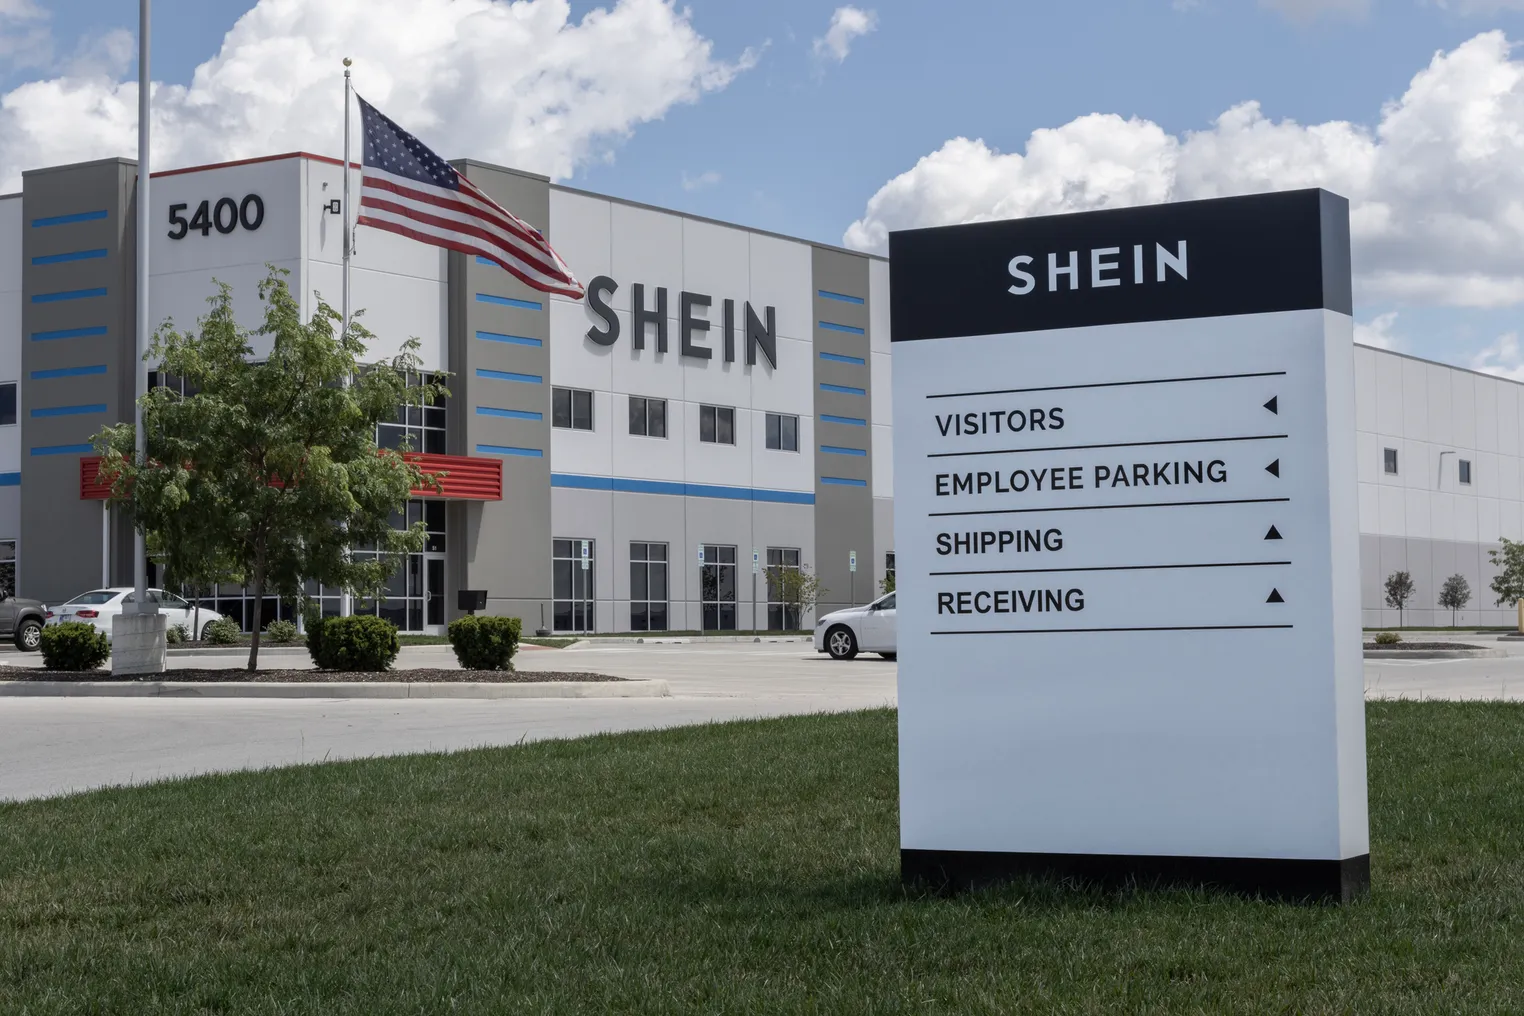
pixel 799 144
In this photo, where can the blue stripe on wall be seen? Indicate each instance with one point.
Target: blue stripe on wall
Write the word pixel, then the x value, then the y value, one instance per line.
pixel 508 301
pixel 97 407
pixel 69 294
pixel 850 421
pixel 78 255
pixel 511 414
pixel 41 375
pixel 839 358
pixel 630 486
pixel 492 449
pixel 517 340
pixel 832 326
pixel 64 449
pixel 10 479
pixel 839 450
pixel 61 220
pixel 69 333
pixel 842 481
pixel 505 375
pixel 843 389
pixel 843 297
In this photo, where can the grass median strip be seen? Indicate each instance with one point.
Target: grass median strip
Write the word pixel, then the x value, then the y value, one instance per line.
pixel 740 868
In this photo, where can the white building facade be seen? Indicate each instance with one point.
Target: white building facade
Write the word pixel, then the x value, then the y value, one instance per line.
pixel 722 393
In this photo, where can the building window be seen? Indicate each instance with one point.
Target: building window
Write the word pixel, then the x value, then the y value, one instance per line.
pixel 889 570
pixel 7 403
pixel 717 424
pixel 782 563
pixel 414 598
pixel 1389 455
pixel 8 566
pixel 1465 471
pixel 571 409
pixel 648 417
pixel 782 432
pixel 648 587
pixel 422 428
pixel 717 588
pixel 572 585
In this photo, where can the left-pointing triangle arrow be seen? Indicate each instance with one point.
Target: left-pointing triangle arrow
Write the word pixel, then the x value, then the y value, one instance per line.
pixel 1274 405
pixel 1274 468
pixel 1274 597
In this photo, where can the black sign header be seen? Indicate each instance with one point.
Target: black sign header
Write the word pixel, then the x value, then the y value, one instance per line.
pixel 1192 259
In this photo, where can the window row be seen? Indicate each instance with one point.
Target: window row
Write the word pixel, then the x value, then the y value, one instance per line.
pixel 574 571
pixel 572 409
pixel 1462 466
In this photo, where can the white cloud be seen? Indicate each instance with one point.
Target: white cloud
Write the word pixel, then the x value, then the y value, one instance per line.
pixel 1503 358
pixel 517 83
pixel 1436 189
pixel 705 179
pixel 847 23
pixel 1377 331
pixel 26 39
pixel 1311 10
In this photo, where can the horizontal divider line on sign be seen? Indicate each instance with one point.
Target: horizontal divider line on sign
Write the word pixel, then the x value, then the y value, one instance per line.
pixel 1110 384
pixel 1114 444
pixel 1087 631
pixel 1114 567
pixel 1108 507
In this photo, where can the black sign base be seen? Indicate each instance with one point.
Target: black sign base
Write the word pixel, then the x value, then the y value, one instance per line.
pixel 1273 878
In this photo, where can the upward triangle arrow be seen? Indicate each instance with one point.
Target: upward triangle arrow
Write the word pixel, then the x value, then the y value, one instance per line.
pixel 1273 534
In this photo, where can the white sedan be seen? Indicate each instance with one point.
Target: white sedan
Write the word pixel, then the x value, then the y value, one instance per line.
pixel 869 629
pixel 99 606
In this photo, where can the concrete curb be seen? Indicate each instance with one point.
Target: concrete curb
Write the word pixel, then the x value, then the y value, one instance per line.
pixel 683 640
pixel 337 689
pixel 1435 654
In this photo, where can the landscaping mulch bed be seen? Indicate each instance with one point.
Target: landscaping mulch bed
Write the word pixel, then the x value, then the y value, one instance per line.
pixel 329 676
pixel 1428 646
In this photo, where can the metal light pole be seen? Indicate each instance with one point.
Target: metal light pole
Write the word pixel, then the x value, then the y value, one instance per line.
pixel 140 386
pixel 346 599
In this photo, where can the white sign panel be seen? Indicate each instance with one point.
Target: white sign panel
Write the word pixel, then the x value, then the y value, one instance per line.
pixel 1127 548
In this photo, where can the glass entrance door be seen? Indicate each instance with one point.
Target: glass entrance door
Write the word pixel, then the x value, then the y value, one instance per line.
pixel 434 594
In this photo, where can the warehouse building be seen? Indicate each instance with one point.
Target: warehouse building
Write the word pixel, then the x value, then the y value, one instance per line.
pixel 719 403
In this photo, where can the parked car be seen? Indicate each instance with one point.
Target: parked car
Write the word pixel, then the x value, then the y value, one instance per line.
pixel 99 606
pixel 21 620
pixel 869 628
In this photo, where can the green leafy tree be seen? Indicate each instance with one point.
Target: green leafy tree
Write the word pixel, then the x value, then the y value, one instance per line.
pixel 1455 594
pixel 1509 581
pixel 1399 590
pixel 798 589
pixel 886 584
pixel 269 470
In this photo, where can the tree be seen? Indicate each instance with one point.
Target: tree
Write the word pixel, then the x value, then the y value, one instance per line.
pixel 1508 584
pixel 798 589
pixel 1399 590
pixel 886 585
pixel 1455 594
pixel 269 470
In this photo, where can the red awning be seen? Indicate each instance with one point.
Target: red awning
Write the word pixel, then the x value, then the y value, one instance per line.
pixel 461 478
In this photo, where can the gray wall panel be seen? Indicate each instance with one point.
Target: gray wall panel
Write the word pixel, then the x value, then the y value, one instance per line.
pixel 60 534
pixel 1430 562
pixel 506 545
pixel 844 512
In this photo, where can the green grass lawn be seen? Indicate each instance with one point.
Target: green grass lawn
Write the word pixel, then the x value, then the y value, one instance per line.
pixel 746 868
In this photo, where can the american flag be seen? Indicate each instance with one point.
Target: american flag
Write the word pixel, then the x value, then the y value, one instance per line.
pixel 408 189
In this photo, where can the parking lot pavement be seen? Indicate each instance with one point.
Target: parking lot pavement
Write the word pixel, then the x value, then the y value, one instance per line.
pixel 55 746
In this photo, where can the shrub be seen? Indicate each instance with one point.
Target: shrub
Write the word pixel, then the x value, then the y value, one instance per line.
pixel 485 643
pixel 1387 638
pixel 73 645
pixel 176 634
pixel 363 642
pixel 281 631
pixel 222 632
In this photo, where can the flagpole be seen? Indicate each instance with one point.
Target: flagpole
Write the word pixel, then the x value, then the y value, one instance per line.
pixel 346 602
